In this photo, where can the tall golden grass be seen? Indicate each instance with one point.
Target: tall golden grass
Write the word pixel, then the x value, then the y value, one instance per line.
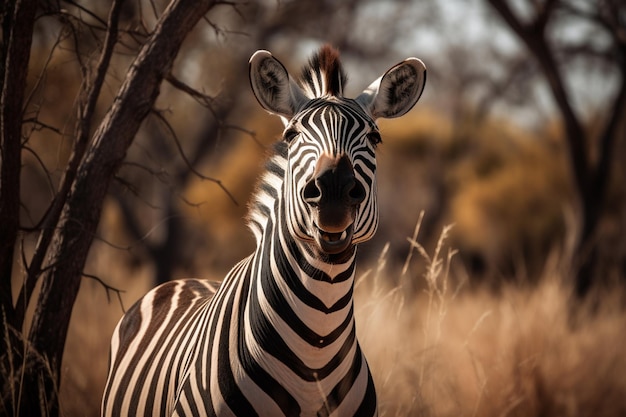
pixel 446 351
pixel 516 352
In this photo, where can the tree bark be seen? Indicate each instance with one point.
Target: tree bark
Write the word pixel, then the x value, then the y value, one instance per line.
pixel 90 91
pixel 81 212
pixel 17 28
pixel 590 179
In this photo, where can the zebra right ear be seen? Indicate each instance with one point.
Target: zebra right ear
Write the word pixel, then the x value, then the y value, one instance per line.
pixel 397 91
pixel 273 87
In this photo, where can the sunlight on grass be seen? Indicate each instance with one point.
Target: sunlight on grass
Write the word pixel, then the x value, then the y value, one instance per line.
pixel 518 352
pixel 443 350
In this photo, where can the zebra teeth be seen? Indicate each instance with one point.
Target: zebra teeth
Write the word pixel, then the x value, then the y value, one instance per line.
pixel 333 237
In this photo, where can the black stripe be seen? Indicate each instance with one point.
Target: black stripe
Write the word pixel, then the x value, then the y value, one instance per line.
pixel 368 405
pixel 160 306
pixel 291 279
pixel 342 388
pixel 278 303
pixel 204 370
pixel 231 393
pixel 191 295
pixel 270 340
pixel 128 330
pixel 261 378
pixel 187 393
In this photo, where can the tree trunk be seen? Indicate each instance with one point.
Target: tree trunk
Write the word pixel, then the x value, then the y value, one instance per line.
pixel 17 30
pixel 596 192
pixel 590 178
pixel 79 220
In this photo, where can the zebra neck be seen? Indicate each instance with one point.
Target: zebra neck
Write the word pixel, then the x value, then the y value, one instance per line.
pixel 297 315
pixel 301 290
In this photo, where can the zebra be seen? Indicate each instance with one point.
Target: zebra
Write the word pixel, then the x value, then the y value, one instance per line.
pixel 277 336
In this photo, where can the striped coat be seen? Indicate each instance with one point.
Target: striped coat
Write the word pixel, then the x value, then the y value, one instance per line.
pixel 277 336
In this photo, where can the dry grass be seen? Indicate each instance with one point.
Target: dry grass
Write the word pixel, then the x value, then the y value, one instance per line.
pixel 520 352
pixel 15 377
pixel 446 351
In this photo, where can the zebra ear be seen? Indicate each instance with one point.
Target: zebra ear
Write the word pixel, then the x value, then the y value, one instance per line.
pixel 272 87
pixel 397 91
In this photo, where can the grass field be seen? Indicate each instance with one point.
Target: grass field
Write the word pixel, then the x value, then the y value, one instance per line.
pixel 445 351
pixel 518 352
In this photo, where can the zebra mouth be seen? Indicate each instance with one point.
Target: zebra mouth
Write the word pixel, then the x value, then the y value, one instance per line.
pixel 334 242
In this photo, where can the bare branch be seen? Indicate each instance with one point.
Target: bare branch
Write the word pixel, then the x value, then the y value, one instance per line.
pixel 248 132
pixel 90 91
pixel 40 78
pixel 200 204
pixel 73 30
pixel 30 219
pixel 161 174
pixel 536 43
pixel 39 125
pixel 221 32
pixel 586 51
pixel 154 9
pixel 44 169
pixel 608 139
pixel 509 17
pixel 15 51
pixel 108 289
pixel 128 217
pixel 87 11
pixel 544 14
pixel 172 132
pixel 203 99
pixel 607 19
pixel 134 191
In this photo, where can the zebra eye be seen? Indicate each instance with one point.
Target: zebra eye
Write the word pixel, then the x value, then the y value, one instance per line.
pixel 374 138
pixel 290 135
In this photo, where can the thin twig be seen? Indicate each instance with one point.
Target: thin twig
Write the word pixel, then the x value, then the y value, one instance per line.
pixel 203 99
pixel 108 288
pixel 87 11
pixel 40 78
pixel 162 175
pixel 172 132
pixel 43 166
pixel 134 191
pixel 90 91
pixel 248 132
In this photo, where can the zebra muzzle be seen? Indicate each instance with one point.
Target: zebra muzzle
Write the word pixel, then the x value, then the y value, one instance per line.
pixel 334 237
pixel 334 194
pixel 334 242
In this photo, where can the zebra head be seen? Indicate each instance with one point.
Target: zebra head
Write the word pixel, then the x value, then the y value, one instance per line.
pixel 330 140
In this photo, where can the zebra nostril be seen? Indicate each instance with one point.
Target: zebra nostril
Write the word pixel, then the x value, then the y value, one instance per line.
pixel 356 193
pixel 311 193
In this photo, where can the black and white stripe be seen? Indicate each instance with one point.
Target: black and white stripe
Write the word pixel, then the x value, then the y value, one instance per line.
pixel 278 336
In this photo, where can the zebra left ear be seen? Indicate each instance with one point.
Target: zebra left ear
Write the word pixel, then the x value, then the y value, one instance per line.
pixel 273 87
pixel 397 91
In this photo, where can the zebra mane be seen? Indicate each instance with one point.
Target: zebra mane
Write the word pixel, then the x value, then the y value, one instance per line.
pixel 262 202
pixel 324 75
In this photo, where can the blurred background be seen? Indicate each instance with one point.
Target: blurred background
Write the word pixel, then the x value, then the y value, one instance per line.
pixel 488 150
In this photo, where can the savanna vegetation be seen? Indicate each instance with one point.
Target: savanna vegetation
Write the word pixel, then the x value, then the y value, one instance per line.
pixel 494 287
